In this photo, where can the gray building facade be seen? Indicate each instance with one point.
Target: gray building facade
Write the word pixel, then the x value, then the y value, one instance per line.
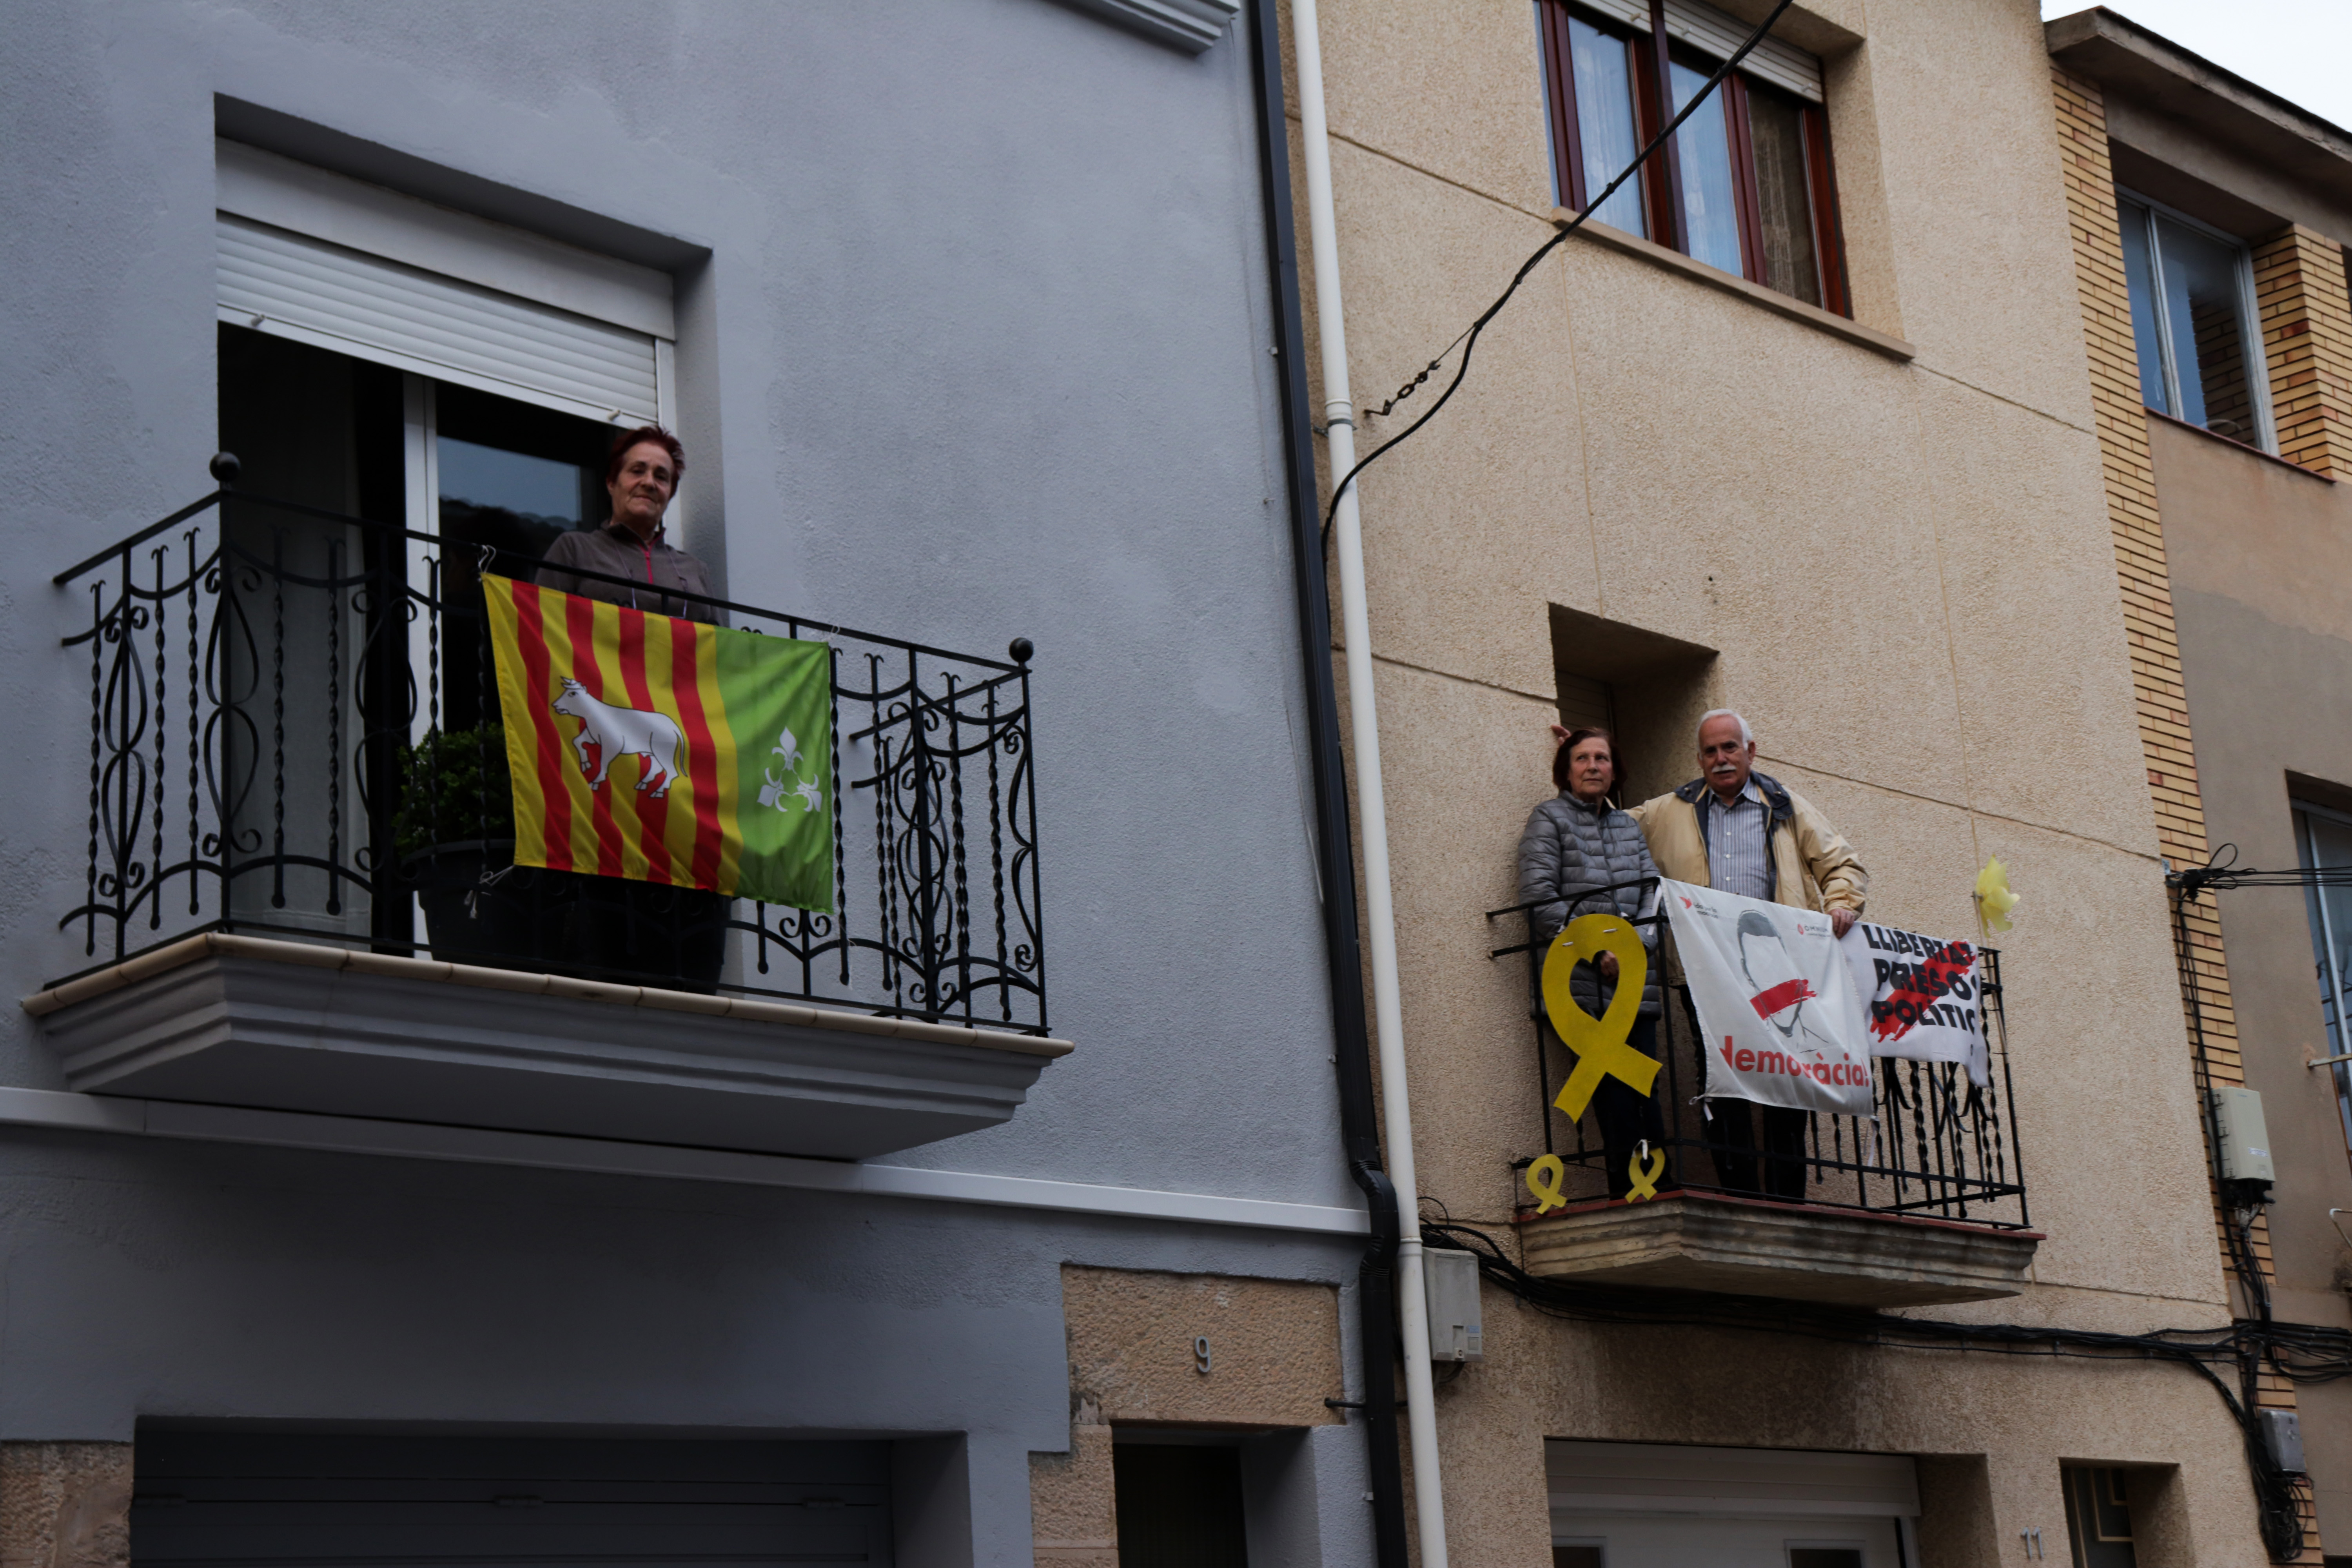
pixel 971 335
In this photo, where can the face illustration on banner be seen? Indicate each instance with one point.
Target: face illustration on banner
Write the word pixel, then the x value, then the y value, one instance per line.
pixel 1777 990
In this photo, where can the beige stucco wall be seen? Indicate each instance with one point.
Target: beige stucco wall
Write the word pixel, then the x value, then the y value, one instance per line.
pixel 65 1505
pixel 2260 553
pixel 1273 1358
pixel 1907 567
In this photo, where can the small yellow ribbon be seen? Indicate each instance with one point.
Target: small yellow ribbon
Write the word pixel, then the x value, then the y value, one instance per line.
pixel 1599 1043
pixel 1548 1197
pixel 1645 1183
pixel 1994 900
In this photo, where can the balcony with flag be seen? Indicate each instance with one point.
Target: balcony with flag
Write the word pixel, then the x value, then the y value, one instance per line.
pixel 1815 1118
pixel 381 829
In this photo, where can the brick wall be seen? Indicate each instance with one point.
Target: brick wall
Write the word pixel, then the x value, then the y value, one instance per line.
pixel 2137 530
pixel 2307 320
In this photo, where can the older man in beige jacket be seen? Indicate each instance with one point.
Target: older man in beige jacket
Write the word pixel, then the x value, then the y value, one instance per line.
pixel 1739 831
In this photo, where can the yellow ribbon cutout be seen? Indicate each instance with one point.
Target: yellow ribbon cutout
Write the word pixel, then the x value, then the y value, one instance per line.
pixel 1548 1197
pixel 1599 1043
pixel 1645 1183
pixel 1994 900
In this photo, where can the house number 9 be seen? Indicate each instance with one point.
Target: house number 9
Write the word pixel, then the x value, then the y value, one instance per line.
pixel 1201 1355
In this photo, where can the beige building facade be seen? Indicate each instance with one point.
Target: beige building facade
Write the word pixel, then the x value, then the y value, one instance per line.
pixel 2237 532
pixel 1858 462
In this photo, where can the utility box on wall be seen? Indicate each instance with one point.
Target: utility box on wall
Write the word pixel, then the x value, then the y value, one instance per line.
pixel 1450 1283
pixel 2245 1140
pixel 2282 1435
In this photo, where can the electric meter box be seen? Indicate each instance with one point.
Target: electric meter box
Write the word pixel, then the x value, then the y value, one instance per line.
pixel 1450 1283
pixel 2282 1435
pixel 2245 1141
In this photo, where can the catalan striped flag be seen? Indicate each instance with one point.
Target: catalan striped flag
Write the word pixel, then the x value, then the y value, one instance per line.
pixel 661 750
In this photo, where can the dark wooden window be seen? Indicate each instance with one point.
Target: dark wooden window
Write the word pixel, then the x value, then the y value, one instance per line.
pixel 1747 186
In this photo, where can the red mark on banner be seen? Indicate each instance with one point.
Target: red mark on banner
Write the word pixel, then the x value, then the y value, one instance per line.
pixel 1788 994
pixel 1943 975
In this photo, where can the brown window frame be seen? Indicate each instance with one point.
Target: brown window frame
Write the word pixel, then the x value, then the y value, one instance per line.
pixel 1660 181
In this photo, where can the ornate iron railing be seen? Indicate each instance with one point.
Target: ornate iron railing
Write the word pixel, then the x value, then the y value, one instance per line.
pixel 1940 1147
pixel 292 732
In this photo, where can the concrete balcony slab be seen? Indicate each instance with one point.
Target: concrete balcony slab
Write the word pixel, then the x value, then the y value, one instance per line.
pixel 1746 1246
pixel 243 1021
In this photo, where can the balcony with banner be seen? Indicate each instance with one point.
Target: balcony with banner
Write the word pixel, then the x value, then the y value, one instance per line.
pixel 815 934
pixel 1895 1184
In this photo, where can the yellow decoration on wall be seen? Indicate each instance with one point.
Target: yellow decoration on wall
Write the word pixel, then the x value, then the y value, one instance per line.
pixel 1994 900
pixel 1599 1043
pixel 1645 1182
pixel 1548 1194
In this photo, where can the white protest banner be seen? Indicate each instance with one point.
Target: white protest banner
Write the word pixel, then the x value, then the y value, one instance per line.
pixel 1775 1002
pixel 1919 996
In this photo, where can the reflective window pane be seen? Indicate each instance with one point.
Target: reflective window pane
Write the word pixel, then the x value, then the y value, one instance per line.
pixel 1605 134
pixel 2204 308
pixel 2140 279
pixel 2325 840
pixel 1703 157
pixel 535 488
pixel 511 475
pixel 1776 129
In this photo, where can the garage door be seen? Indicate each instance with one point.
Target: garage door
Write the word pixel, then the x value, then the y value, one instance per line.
pixel 229 1500
pixel 1645 1505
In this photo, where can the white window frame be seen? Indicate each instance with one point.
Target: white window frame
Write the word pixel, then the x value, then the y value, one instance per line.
pixel 2250 325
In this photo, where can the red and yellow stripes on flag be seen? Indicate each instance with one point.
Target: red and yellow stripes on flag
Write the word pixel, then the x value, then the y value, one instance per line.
pixel 680 829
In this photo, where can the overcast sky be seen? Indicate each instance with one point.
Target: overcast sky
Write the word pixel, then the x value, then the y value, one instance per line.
pixel 2300 49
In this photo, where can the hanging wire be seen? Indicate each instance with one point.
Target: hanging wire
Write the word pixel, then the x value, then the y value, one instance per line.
pixel 2304 1353
pixel 1468 340
pixel 2223 874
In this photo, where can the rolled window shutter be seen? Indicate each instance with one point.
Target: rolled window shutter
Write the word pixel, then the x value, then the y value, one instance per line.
pixel 294 286
pixel 1634 13
pixel 1708 30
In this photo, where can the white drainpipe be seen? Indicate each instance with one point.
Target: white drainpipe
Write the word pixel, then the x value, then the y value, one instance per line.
pixel 1348 540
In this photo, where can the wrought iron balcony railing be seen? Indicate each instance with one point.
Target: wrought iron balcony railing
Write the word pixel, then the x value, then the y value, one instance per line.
pixel 293 732
pixel 1940 1148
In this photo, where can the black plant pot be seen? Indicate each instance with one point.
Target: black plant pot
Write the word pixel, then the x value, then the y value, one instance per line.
pixel 509 919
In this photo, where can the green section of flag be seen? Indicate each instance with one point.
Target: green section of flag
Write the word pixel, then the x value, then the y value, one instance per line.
pixel 779 698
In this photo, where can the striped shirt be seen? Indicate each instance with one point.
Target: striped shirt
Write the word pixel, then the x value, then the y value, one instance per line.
pixel 1738 844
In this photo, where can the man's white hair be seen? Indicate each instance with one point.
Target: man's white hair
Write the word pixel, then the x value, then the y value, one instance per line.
pixel 1746 736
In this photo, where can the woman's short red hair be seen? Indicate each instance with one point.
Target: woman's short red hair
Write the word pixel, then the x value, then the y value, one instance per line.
pixel 639 437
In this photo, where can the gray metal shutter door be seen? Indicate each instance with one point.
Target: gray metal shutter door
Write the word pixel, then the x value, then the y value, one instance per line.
pixel 279 281
pixel 251 1500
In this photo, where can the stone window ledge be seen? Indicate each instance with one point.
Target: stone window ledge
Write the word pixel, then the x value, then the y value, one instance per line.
pixel 1780 304
pixel 2248 447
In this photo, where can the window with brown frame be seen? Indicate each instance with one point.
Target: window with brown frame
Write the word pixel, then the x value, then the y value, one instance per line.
pixel 1747 186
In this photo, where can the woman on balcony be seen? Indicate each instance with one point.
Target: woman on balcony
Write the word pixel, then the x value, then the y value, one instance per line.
pixel 641 933
pixel 1575 844
pixel 641 476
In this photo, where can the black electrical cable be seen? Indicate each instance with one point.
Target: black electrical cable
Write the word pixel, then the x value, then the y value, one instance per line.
pixel 1468 340
pixel 2222 875
pixel 2326 1353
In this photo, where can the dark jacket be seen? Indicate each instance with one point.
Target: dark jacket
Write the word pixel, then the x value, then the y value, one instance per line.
pixel 616 551
pixel 1568 847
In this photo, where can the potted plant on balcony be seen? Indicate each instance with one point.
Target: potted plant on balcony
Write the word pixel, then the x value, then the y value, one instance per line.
pixel 454 833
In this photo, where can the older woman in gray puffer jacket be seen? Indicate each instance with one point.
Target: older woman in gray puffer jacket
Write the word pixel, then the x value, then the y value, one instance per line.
pixel 1573 844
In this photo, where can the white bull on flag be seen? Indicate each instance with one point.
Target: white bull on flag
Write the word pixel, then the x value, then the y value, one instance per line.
pixel 1776 1004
